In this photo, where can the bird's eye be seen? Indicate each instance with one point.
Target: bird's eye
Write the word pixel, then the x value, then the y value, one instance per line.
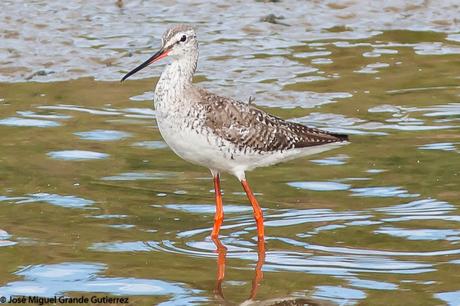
pixel 183 38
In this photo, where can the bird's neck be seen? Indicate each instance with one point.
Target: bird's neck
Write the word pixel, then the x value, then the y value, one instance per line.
pixel 176 77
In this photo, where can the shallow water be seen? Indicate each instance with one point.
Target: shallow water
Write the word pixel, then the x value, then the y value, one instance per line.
pixel 93 202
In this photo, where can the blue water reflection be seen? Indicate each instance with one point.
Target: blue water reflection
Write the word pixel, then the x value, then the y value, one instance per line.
pixel 26 122
pixel 68 201
pixel 77 155
pixel 59 279
pixel 103 135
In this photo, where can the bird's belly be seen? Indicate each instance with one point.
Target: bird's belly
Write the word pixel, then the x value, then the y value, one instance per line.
pixel 196 145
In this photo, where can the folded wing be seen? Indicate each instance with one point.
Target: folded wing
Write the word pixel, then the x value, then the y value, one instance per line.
pixel 248 127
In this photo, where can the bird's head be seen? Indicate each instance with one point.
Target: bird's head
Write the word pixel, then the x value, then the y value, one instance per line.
pixel 178 41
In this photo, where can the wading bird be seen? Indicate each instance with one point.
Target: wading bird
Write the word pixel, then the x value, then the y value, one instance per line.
pixel 220 133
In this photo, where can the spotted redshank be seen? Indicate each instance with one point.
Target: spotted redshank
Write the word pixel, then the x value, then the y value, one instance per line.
pixel 220 133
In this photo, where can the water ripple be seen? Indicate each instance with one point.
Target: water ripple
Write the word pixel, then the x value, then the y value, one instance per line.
pixel 420 234
pixel 356 251
pixel 129 246
pixel 320 186
pixel 101 45
pixel 306 99
pixel 58 279
pixel 295 216
pixel 139 112
pixel 68 201
pixel 339 295
pixel 357 261
pixel 102 135
pixel 140 176
pixel 108 216
pixel 419 207
pixel 31 114
pixel 80 109
pixel 372 68
pixel 378 52
pixel 4 236
pixel 341 124
pixel 146 96
pixel 340 159
pixel 435 48
pixel 451 298
pixel 15 121
pixel 371 284
pixel 208 208
pixel 384 192
pixel 154 144
pixel 77 155
pixel 442 146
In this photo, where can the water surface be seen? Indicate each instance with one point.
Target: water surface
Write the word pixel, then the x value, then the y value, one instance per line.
pixel 93 202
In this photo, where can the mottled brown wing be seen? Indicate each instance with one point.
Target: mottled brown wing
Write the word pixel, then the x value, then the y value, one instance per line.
pixel 247 126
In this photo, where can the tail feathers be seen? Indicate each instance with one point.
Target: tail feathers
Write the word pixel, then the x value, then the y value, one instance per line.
pixel 340 137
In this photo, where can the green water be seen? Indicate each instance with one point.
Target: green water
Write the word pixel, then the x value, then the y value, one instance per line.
pixel 92 202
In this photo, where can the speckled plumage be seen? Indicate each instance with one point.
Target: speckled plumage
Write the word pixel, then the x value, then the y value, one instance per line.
pixel 249 127
pixel 221 133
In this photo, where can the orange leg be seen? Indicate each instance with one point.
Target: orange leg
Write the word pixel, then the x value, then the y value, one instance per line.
pixel 257 211
pixel 219 217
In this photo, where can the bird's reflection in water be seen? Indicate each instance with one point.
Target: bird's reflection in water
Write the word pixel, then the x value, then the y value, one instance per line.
pixel 221 259
pixel 258 276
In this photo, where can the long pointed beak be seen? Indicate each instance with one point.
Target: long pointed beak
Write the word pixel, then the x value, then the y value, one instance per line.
pixel 157 56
